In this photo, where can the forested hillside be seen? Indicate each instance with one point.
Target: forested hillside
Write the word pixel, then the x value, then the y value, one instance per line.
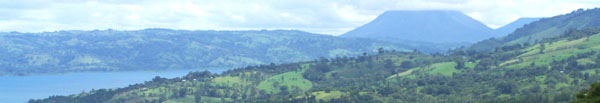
pixel 544 28
pixel 552 70
pixel 164 49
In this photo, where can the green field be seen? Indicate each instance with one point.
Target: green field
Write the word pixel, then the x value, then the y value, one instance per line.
pixel 228 81
pixel 590 71
pixel 405 73
pixel 326 96
pixel 558 50
pixel 445 68
pixel 291 79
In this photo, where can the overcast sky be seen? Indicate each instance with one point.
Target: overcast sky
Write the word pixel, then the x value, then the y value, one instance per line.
pixel 319 16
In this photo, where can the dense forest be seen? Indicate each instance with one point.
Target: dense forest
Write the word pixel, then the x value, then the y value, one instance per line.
pixel 557 69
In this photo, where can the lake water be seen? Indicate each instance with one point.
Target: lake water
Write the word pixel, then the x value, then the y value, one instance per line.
pixel 15 89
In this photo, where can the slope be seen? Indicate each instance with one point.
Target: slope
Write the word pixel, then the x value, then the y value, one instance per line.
pixel 544 28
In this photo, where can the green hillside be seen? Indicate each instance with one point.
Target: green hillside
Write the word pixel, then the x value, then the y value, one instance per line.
pixel 164 49
pixel 544 28
pixel 554 70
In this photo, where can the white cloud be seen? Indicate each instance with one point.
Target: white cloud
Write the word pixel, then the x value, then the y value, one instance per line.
pixel 328 17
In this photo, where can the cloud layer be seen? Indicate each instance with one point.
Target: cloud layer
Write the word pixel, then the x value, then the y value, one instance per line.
pixel 320 16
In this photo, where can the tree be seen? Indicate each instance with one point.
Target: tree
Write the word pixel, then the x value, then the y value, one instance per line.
pixel 407 64
pixel 586 76
pixel 283 89
pixel 159 79
pixel 182 92
pixel 389 64
pixel 322 67
pixel 506 87
pixel 323 59
pixel 460 64
pixel 198 98
pixel 162 99
pixel 386 91
pixel 598 59
pixel 380 50
pixel 484 64
pixel 542 47
pixel 234 96
pixel 591 95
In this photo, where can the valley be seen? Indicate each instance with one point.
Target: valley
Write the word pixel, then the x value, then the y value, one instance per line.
pixel 383 54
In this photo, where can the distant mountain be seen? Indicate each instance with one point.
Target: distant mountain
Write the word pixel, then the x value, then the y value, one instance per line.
pixel 161 49
pixel 511 27
pixel 544 28
pixel 434 26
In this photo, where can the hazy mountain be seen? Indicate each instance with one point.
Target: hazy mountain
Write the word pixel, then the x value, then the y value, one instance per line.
pixel 511 27
pixel 435 26
pixel 160 49
pixel 544 28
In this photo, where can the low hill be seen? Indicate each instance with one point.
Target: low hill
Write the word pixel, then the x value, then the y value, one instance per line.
pixel 434 26
pixel 552 70
pixel 163 49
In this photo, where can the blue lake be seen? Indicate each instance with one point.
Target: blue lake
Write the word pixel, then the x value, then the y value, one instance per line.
pixel 19 89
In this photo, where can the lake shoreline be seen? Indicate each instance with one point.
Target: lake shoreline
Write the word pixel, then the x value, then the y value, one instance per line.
pixel 19 89
pixel 61 73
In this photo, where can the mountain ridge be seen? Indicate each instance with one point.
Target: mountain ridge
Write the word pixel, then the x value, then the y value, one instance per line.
pixel 544 28
pixel 162 49
pixel 514 25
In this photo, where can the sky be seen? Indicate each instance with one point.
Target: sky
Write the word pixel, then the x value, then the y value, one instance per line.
pixel 332 17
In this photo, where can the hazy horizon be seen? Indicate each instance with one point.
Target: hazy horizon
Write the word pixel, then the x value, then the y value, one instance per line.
pixel 323 17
